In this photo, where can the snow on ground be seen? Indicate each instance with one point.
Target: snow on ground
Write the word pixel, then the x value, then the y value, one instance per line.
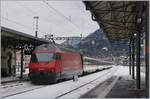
pixel 12 88
pixel 55 90
pixel 122 70
pixel 118 71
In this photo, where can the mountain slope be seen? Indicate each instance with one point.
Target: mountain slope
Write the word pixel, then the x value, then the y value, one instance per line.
pixel 97 45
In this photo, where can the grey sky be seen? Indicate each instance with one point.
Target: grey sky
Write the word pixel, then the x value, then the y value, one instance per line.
pixel 61 18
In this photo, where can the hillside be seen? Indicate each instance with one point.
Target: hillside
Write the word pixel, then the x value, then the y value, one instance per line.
pixel 97 45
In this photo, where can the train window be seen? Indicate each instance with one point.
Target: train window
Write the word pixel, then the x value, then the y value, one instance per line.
pixel 42 57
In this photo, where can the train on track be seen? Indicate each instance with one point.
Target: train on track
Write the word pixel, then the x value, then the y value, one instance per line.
pixel 50 63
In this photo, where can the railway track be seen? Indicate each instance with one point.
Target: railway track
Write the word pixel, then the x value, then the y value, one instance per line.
pixel 27 87
pixel 86 84
pixel 14 88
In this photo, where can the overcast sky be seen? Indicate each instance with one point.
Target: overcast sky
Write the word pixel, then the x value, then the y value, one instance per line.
pixel 60 18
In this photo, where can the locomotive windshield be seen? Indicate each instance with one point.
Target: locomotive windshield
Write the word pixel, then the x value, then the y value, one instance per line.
pixel 42 57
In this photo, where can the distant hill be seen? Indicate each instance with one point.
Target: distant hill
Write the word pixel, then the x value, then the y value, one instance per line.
pixel 96 45
pixel 72 42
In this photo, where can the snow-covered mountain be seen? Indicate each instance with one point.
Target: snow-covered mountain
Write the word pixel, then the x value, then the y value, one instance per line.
pixel 96 44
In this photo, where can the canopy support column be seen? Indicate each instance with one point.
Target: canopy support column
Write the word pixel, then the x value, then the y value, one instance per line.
pixel 147 52
pixel 138 76
pixel 138 43
pixel 133 57
pixel 130 56
pixel 21 72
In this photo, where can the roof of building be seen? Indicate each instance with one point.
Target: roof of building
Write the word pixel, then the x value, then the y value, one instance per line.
pixel 12 37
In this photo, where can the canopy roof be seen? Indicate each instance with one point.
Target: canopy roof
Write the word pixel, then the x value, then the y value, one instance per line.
pixel 13 38
pixel 118 19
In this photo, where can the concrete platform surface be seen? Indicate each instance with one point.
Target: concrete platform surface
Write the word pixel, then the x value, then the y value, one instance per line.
pixel 125 88
pixel 120 85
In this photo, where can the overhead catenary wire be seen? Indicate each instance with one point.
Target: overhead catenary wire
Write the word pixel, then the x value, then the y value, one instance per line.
pixel 28 9
pixel 17 23
pixel 51 7
pixel 12 21
pixel 32 13
pixel 45 19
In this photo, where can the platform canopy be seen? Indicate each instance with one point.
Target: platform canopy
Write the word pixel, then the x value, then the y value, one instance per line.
pixel 118 19
pixel 14 39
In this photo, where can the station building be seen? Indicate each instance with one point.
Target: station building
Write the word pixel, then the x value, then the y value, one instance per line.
pixel 16 48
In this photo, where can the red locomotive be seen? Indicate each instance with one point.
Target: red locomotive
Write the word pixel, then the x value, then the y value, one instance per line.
pixel 50 63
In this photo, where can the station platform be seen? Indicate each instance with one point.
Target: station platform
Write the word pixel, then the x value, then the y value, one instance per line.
pixel 9 79
pixel 14 78
pixel 118 86
pixel 125 87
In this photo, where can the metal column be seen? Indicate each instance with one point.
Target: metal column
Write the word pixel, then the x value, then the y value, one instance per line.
pixel 140 7
pixel 147 51
pixel 147 63
pixel 138 76
pixel 133 56
pixel 130 56
pixel 21 72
